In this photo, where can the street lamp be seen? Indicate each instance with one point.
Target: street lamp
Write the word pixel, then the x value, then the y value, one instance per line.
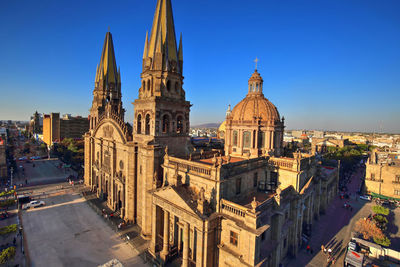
pixel 12 170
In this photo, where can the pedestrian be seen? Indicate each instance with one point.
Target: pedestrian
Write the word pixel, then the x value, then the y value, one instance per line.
pixel 308 248
pixel 322 248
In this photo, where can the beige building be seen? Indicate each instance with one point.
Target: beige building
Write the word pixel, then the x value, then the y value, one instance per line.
pixel 56 129
pixel 382 175
pixel 248 206
pixel 3 161
pixel 320 145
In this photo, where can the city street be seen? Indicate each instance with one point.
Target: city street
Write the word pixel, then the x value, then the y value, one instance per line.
pixel 333 229
pixel 45 171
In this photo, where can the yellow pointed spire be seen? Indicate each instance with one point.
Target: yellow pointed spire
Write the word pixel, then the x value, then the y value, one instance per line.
pixel 108 66
pixel 146 44
pixel 97 74
pixel 159 44
pixel 163 30
pixel 119 75
pixel 180 50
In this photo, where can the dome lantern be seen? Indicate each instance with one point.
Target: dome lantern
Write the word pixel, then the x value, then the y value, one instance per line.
pixel 256 84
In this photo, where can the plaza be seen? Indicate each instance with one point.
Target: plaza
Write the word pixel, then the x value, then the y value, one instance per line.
pixel 66 231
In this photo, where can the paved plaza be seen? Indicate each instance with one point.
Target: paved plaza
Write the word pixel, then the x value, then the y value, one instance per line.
pixel 67 232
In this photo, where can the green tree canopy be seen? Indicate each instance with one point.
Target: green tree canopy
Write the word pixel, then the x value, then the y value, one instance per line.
pixel 380 210
pixel 382 241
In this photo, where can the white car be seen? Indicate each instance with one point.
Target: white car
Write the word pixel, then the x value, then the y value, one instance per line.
pixel 365 197
pixel 34 204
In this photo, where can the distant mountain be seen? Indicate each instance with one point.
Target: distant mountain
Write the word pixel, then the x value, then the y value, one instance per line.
pixel 207 125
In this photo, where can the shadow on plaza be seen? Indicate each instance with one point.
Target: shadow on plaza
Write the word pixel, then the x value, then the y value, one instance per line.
pixel 393 229
pixel 325 230
pixel 55 201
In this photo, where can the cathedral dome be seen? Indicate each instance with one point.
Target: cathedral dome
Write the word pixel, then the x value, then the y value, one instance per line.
pixel 255 106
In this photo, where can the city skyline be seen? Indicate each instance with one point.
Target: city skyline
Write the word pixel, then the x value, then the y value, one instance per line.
pixel 331 66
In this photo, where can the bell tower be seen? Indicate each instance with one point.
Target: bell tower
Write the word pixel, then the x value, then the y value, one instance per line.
pixel 107 92
pixel 161 113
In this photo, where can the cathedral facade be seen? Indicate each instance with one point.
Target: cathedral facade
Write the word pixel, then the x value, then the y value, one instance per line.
pixel 247 206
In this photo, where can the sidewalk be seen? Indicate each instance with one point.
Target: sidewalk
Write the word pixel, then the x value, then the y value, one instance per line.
pixel 332 230
pixel 130 233
pixel 20 258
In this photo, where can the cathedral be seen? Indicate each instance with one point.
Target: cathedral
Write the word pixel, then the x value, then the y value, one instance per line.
pixel 247 205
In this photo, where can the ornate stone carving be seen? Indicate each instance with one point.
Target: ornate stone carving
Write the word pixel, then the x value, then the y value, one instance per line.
pixel 254 204
pixel 155 179
pixel 108 131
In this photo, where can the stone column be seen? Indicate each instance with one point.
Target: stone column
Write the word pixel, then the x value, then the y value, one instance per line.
pixel 199 248
pixel 273 141
pixel 179 238
pixel 152 248
pixel 164 253
pixel 268 143
pixel 123 202
pixel 185 256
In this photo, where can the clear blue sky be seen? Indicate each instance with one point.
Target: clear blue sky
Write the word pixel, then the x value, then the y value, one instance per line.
pixel 326 64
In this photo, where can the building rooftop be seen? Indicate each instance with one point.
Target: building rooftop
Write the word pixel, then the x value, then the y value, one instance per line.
pixel 260 196
pixel 224 160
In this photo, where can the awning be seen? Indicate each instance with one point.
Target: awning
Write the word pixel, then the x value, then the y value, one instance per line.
pixel 384 197
pixel 354 258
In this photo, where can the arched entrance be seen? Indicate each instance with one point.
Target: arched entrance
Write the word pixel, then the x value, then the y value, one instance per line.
pixel 106 190
pixel 119 203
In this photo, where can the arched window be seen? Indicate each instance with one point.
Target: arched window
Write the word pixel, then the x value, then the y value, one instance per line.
pixel 139 124
pixel 144 86
pixel 165 124
pixel 179 124
pixel 261 139
pixel 169 86
pixel 147 124
pixel 148 85
pixel 246 139
pixel 257 88
pixel 235 138
pixel 177 87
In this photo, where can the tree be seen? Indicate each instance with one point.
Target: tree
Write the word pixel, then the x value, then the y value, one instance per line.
pixel 380 210
pixel 26 147
pixel 381 221
pixel 382 241
pixel 368 229
pixel 43 147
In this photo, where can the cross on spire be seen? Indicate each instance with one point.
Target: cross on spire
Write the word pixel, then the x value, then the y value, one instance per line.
pixel 256 61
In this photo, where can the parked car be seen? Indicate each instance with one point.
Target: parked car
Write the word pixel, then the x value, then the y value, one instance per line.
pixel 4 215
pixel 353 246
pixel 366 197
pixel 33 204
